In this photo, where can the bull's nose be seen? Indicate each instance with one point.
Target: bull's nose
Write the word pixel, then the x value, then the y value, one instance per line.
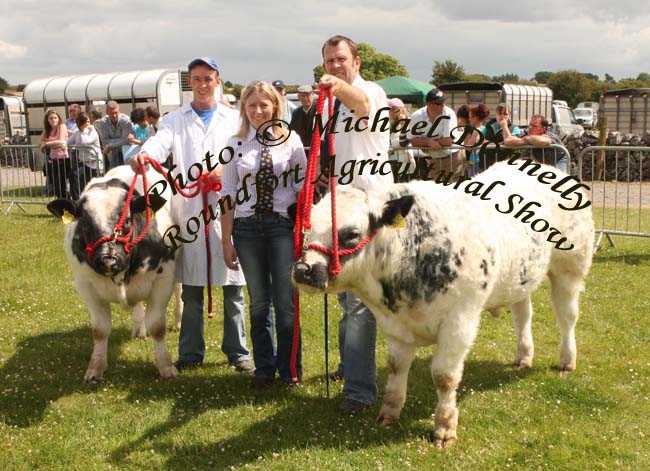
pixel 301 272
pixel 109 261
pixel 314 276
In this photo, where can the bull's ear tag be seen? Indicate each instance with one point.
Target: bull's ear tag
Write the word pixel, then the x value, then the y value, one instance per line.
pixel 399 222
pixel 67 218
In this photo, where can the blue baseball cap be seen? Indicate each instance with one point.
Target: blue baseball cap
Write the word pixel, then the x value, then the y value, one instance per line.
pixel 205 61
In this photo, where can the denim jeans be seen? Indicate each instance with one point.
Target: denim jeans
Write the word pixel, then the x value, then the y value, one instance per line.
pixel 191 345
pixel 265 250
pixel 357 336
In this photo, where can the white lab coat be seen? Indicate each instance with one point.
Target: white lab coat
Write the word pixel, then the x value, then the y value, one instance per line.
pixel 183 133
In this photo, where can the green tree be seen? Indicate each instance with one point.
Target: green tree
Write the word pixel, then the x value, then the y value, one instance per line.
pixel 236 90
pixel 506 78
pixel 572 86
pixel 629 83
pixel 643 77
pixel 609 79
pixel 376 65
pixel 318 72
pixel 477 78
pixel 543 76
pixel 447 72
pixel 3 85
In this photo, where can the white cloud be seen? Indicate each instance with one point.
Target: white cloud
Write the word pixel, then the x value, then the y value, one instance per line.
pixel 262 40
pixel 12 51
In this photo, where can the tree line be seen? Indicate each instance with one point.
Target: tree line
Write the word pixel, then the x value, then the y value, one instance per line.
pixel 569 85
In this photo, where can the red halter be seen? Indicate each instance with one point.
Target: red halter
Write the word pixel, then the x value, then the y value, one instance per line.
pixel 203 185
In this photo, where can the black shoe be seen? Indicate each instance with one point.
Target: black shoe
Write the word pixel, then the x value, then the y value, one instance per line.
pixel 183 364
pixel 351 407
pixel 244 366
pixel 262 383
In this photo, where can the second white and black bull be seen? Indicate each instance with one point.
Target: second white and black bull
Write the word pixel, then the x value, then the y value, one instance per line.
pixel 464 247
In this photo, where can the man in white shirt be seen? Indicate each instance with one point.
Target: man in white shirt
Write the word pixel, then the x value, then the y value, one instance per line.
pixel 192 132
pixel 358 99
pixel 431 127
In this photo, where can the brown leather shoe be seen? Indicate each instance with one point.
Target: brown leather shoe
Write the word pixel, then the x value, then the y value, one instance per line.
pixel 351 407
pixel 244 366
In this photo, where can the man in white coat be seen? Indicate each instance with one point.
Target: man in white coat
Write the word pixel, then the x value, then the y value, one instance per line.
pixel 189 133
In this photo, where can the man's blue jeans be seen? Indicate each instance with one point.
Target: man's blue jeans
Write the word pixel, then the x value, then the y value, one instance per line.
pixel 357 336
pixel 264 246
pixel 191 345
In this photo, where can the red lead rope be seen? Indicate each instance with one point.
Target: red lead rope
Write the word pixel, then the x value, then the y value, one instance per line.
pixel 203 185
pixel 303 218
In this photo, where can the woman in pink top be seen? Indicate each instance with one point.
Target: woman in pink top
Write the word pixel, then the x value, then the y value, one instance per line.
pixel 52 142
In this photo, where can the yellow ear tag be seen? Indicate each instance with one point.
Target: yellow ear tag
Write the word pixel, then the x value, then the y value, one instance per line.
pixel 399 222
pixel 67 218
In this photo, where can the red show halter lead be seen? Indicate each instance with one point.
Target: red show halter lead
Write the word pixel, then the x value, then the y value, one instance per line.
pixel 203 185
pixel 303 216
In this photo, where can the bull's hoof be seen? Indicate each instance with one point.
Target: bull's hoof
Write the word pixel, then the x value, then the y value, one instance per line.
pixel 93 377
pixel 444 438
pixel 140 334
pixel 385 420
pixel 169 372
pixel 444 443
pixel 565 367
pixel 520 365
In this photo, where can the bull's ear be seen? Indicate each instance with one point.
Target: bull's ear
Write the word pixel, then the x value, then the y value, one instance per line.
pixel 64 209
pixel 138 205
pixel 395 211
pixel 291 211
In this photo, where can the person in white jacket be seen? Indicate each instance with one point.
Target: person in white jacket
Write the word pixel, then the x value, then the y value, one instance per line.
pixel 189 133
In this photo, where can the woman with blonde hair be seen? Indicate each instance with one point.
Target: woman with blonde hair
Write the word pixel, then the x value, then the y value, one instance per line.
pixel 53 144
pixel 270 163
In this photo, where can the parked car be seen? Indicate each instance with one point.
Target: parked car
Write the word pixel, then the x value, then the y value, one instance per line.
pixel 565 122
pixel 585 117
pixel 560 103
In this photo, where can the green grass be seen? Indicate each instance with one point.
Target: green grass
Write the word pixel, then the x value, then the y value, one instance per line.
pixel 595 418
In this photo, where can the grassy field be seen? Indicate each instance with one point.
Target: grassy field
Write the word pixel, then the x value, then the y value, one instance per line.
pixel 597 418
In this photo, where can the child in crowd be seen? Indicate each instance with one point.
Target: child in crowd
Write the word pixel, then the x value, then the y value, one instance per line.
pixel 138 135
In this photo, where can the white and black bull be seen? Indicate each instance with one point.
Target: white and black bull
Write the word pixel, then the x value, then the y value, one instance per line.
pixel 110 274
pixel 464 247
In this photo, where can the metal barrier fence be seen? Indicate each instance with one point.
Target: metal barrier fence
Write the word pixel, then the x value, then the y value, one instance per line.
pixel 624 200
pixel 429 165
pixel 29 177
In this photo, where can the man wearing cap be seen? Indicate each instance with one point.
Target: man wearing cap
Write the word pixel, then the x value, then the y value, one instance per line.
pixel 288 106
pixel 302 119
pixel 435 134
pixel 190 133
pixel 356 98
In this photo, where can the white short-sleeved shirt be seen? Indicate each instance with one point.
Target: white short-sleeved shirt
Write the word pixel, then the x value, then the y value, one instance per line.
pixel 442 130
pixel 289 165
pixel 356 146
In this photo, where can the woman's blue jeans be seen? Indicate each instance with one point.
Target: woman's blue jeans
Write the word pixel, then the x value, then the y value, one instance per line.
pixel 264 246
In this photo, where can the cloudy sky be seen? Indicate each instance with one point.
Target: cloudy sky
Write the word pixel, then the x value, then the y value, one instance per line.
pixel 266 40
